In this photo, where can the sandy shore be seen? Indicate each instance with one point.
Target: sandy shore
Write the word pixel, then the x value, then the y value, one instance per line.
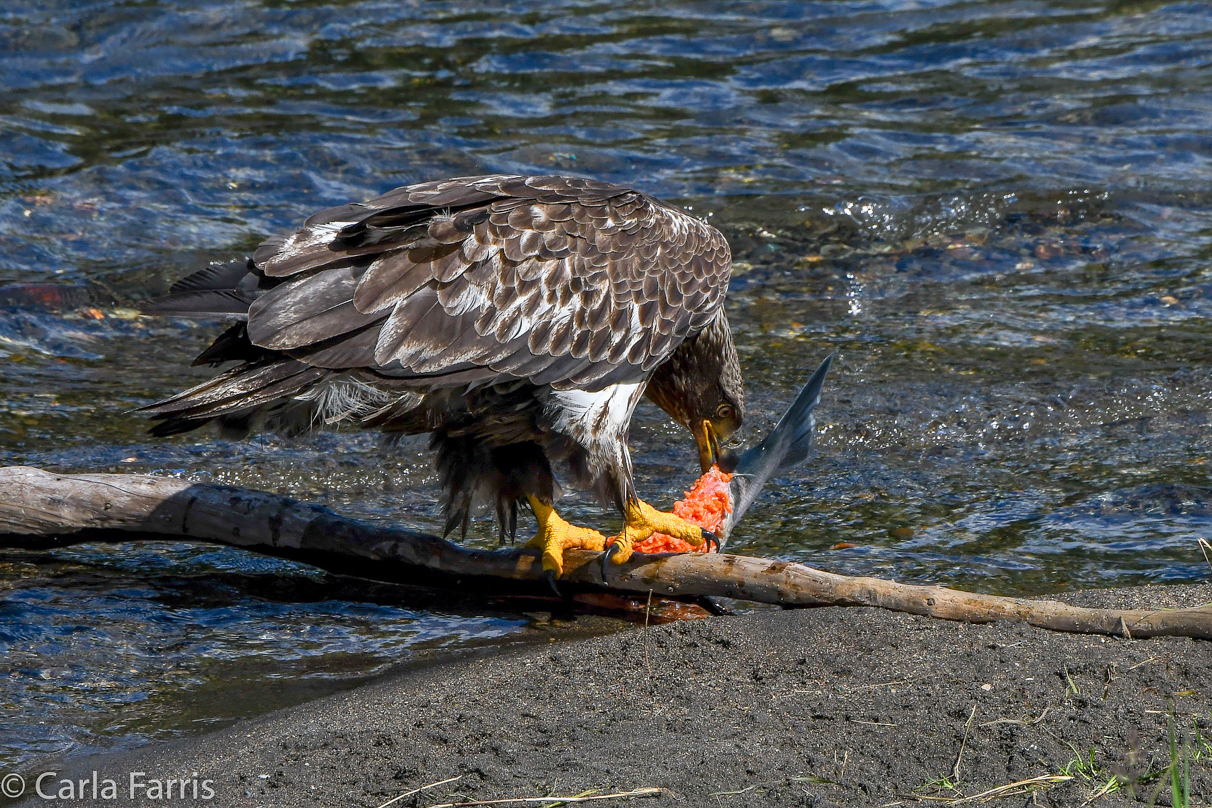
pixel 798 708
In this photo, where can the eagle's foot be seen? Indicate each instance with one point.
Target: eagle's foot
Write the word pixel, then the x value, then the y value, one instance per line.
pixel 642 520
pixel 555 536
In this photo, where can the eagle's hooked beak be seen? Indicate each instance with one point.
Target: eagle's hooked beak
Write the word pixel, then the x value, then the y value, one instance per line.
pixel 709 444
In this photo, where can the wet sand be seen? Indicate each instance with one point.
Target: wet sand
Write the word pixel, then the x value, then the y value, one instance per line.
pixel 815 707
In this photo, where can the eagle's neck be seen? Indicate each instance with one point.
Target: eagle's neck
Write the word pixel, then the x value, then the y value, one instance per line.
pixel 694 372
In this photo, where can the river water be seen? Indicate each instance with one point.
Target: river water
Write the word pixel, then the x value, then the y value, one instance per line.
pixel 997 213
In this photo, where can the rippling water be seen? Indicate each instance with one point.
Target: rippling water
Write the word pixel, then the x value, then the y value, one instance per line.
pixel 997 212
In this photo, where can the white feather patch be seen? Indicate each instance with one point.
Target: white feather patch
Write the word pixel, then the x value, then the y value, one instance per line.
pixel 341 398
pixel 594 418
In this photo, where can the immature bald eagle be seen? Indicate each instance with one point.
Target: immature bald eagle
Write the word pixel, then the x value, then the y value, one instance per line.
pixel 516 319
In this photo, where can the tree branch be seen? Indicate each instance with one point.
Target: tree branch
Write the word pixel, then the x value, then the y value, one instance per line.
pixel 42 510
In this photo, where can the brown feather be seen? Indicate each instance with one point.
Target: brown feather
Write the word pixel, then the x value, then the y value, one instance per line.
pixel 590 270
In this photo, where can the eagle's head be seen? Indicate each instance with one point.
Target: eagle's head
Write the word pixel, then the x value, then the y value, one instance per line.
pixel 700 386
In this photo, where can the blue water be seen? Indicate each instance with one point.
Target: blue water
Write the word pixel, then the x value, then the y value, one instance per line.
pixel 997 212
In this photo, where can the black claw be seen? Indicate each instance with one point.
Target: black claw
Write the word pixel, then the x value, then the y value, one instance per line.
pixel 608 554
pixel 711 539
pixel 550 577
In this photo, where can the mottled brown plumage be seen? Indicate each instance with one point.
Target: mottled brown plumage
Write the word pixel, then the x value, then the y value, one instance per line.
pixel 518 319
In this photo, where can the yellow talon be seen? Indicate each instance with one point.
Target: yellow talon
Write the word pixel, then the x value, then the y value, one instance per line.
pixel 555 536
pixel 642 520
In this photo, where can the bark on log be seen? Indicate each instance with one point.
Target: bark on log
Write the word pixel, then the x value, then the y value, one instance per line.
pixel 41 510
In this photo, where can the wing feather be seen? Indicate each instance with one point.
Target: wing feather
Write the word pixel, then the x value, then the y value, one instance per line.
pixel 558 280
pixel 390 281
pixel 306 311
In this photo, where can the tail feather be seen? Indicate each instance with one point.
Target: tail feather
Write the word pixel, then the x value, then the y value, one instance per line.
pixel 217 275
pixel 243 380
pixel 240 390
pixel 221 289
pixel 201 303
pixel 233 345
pixel 268 389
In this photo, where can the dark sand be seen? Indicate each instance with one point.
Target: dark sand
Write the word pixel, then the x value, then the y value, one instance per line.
pixel 812 707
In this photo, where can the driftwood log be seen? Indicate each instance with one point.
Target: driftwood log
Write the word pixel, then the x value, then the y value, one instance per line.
pixel 43 510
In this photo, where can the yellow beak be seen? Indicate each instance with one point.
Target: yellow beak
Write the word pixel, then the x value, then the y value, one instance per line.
pixel 709 444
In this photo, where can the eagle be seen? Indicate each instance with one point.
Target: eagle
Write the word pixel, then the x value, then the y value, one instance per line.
pixel 517 320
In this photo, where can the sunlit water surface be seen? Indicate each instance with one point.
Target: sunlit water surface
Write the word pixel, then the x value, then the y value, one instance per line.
pixel 996 212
